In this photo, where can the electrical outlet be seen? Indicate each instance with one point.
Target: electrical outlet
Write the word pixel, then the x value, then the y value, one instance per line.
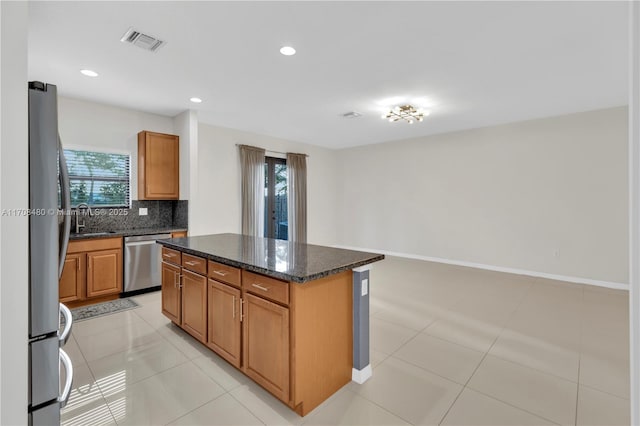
pixel 142 211
pixel 365 286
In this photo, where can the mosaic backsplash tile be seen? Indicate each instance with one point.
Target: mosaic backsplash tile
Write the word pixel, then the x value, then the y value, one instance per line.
pixel 160 214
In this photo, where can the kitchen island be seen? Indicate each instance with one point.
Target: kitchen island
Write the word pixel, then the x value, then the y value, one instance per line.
pixel 292 317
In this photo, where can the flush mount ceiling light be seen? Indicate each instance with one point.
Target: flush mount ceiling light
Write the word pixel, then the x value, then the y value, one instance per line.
pixel 287 50
pixel 89 73
pixel 407 113
pixel 195 100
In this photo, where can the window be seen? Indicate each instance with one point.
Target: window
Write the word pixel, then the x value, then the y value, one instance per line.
pixel 99 179
pixel 275 198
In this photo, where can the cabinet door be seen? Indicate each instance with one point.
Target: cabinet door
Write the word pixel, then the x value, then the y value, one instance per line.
pixel 171 302
pixel 158 166
pixel 70 285
pixel 194 304
pixel 224 321
pixel 104 272
pixel 266 345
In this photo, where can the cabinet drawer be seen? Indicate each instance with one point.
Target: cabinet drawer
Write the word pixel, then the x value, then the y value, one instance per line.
pixel 194 263
pixel 266 287
pixel 171 256
pixel 224 273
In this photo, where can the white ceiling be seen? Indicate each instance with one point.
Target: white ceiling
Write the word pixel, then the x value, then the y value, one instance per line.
pixel 477 63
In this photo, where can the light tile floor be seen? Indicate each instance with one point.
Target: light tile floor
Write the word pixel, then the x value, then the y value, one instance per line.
pixel 450 345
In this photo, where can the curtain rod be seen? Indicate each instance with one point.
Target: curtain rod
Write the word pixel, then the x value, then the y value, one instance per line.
pixel 275 152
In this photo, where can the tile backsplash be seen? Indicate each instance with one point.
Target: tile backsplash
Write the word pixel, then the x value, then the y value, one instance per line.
pixel 160 214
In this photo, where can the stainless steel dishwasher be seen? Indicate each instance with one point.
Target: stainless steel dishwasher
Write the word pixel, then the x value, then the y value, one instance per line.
pixel 142 260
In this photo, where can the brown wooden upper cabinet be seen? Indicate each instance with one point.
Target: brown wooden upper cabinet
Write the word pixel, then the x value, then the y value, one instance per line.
pixel 158 166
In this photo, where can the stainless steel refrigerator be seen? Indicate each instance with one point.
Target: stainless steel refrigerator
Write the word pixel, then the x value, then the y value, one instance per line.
pixel 49 225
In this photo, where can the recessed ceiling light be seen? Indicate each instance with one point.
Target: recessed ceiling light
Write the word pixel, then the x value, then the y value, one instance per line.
pixel 287 50
pixel 89 73
pixel 195 100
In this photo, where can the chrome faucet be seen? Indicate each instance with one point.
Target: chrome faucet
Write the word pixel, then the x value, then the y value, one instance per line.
pixel 88 210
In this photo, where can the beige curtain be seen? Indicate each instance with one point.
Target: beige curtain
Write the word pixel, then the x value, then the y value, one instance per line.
pixel 297 197
pixel 252 169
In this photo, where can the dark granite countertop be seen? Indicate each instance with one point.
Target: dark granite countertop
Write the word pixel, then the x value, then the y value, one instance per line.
pixel 276 258
pixel 122 233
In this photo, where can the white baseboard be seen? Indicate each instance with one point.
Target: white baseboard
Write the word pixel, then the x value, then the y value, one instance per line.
pixel 361 376
pixel 578 280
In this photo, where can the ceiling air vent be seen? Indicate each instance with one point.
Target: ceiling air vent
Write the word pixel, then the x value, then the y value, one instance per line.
pixel 141 40
pixel 351 114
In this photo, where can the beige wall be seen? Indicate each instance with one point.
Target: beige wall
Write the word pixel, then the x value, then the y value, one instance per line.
pixel 219 182
pixel 91 125
pixel 546 195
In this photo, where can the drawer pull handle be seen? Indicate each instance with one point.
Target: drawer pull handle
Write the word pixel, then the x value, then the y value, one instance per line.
pixel 191 263
pixel 260 287
pixel 169 254
pixel 221 273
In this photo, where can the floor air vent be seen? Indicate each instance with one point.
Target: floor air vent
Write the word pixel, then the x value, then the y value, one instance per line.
pixel 141 40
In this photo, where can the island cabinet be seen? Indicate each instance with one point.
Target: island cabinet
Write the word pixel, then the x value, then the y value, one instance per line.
pixel 282 313
pixel 184 291
pixel 194 296
pixel 225 312
pixel 170 282
pixel 92 271
pixel 266 332
pixel 295 340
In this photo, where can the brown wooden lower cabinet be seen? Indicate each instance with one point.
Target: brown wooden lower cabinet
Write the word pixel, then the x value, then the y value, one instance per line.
pixel 171 300
pixel 104 272
pixel 295 340
pixel 194 304
pixel 70 286
pixel 224 321
pixel 266 345
pixel 92 271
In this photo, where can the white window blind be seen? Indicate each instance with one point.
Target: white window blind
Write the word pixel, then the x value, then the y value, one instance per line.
pixel 99 179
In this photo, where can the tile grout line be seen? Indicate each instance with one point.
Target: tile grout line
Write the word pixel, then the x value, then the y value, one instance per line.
pixel 248 409
pixel 93 376
pixel 381 407
pixel 483 358
pixel 198 407
pixel 513 406
pixel 366 399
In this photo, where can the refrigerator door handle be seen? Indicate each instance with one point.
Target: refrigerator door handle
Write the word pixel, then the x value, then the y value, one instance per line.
pixel 68 323
pixel 68 368
pixel 66 207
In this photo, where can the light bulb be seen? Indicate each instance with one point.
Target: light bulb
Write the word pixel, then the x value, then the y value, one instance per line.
pixel 89 73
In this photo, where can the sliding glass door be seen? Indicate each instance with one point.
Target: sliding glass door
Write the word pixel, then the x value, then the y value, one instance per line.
pixel 275 198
